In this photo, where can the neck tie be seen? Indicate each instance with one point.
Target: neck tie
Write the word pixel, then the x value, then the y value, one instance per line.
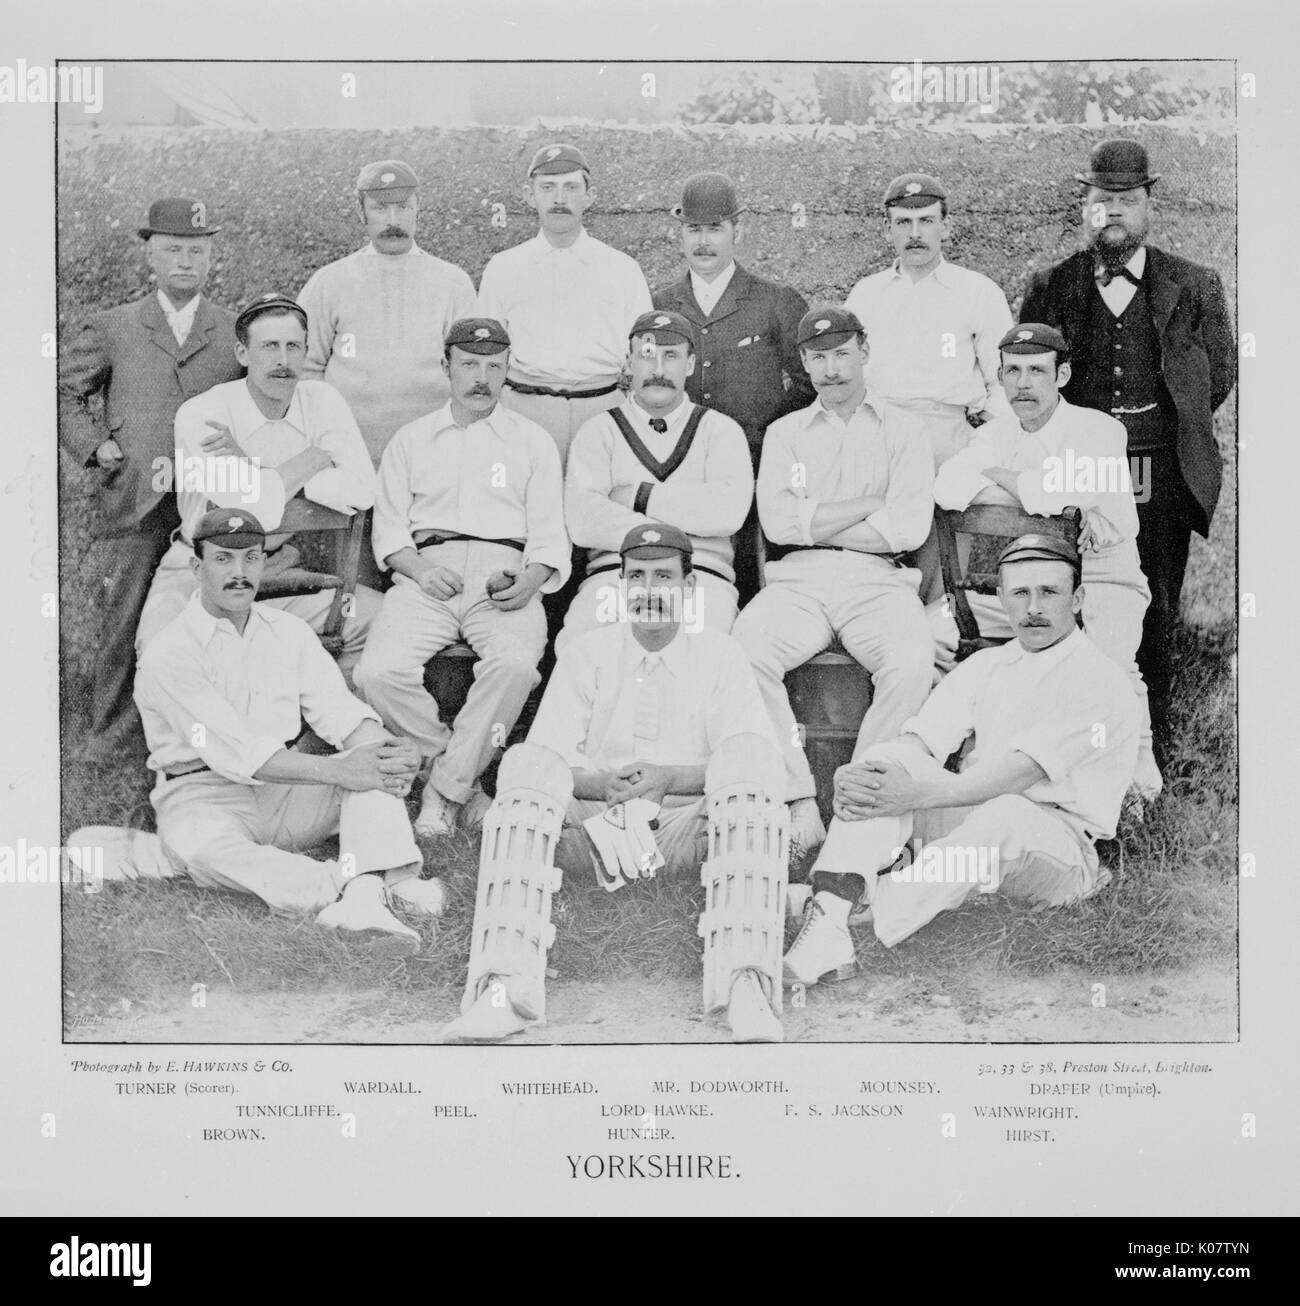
pixel 658 424
pixel 1105 276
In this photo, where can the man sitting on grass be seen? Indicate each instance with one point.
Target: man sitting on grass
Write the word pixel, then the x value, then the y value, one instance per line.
pixel 1055 734
pixel 220 690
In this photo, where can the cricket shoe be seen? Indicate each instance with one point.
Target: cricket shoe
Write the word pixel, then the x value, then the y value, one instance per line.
pixel 807 832
pixel 419 897
pixel 823 946
pixel 437 814
pixel 750 1014
pixel 361 915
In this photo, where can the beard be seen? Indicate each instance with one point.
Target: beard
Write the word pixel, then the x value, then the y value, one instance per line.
pixel 1115 245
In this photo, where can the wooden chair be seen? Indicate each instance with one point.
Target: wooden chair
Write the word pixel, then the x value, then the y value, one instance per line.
pixel 969 544
pixel 321 530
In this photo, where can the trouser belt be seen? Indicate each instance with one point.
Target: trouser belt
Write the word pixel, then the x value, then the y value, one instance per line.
pixel 617 566
pixel 555 393
pixel 196 767
pixel 427 539
pixel 775 552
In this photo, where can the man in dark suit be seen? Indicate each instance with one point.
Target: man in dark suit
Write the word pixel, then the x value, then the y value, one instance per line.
pixel 749 366
pixel 123 373
pixel 1152 344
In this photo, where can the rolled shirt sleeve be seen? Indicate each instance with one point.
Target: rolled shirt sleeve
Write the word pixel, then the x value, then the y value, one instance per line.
pixel 962 477
pixel 267 497
pixel 948 715
pixel 331 710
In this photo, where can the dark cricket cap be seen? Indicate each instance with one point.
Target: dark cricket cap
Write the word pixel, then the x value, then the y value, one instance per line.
pixel 914 190
pixel 1033 338
pixel 274 301
pixel 707 197
pixel 234 527
pixel 1118 165
pixel 1040 548
pixel 668 328
pixel 390 178
pixel 177 217
pixel 657 540
pixel 558 157
pixel 477 335
pixel 827 326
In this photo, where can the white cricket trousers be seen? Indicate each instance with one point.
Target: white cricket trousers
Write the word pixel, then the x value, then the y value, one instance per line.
pixel 251 837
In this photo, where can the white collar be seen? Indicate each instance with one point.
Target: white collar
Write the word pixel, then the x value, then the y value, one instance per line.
pixel 246 417
pixel 715 289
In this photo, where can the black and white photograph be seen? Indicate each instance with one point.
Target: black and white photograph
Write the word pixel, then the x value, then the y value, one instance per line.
pixel 648 612
pixel 662 447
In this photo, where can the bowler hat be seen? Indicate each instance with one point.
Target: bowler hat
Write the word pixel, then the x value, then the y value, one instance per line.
pixel 707 197
pixel 177 217
pixel 1118 165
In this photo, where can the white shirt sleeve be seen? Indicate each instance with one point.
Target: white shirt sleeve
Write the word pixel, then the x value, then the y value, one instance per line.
pixel 994 323
pixel 962 477
pixel 904 521
pixel 547 541
pixel 327 705
pixel 564 714
pixel 321 326
pixel 349 485
pixel 785 513
pixel 391 530
pixel 267 498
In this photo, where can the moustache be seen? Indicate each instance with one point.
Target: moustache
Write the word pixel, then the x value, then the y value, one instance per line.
pixel 703 253
pixel 916 244
pixel 282 374
pixel 480 390
pixel 560 209
pixel 1034 623
pixel 393 231
pixel 238 585
pixel 659 381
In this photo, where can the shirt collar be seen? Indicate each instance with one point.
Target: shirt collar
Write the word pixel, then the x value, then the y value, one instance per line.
pixel 673 419
pixel 1048 657
pixel 675 655
pixel 716 288
pixel 1137 265
pixel 817 410
pixel 581 249
pixel 939 272
pixel 246 417
pixel 204 626
pixel 495 422
pixel 185 314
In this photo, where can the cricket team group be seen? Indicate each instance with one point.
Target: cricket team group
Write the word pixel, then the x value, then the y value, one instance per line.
pixel 679 498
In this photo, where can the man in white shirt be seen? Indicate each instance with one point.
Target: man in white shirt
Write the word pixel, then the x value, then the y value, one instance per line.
pixel 638 710
pixel 1050 456
pixel 469 518
pixel 657 458
pixel 566 300
pixel 253 444
pixel 842 491
pixel 933 327
pixel 376 317
pixel 1055 731
pixel 219 692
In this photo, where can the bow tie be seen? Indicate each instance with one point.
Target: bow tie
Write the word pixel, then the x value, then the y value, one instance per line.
pixel 658 424
pixel 1105 276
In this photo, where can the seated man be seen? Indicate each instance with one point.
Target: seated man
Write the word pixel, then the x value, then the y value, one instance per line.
pixel 657 458
pixel 1050 456
pixel 253 444
pixel 1055 729
pixel 219 692
pixel 842 491
pixel 469 518
pixel 640 710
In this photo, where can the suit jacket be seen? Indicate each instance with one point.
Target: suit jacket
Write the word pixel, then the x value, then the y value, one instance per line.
pixel 745 345
pixel 1198 351
pixel 122 374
